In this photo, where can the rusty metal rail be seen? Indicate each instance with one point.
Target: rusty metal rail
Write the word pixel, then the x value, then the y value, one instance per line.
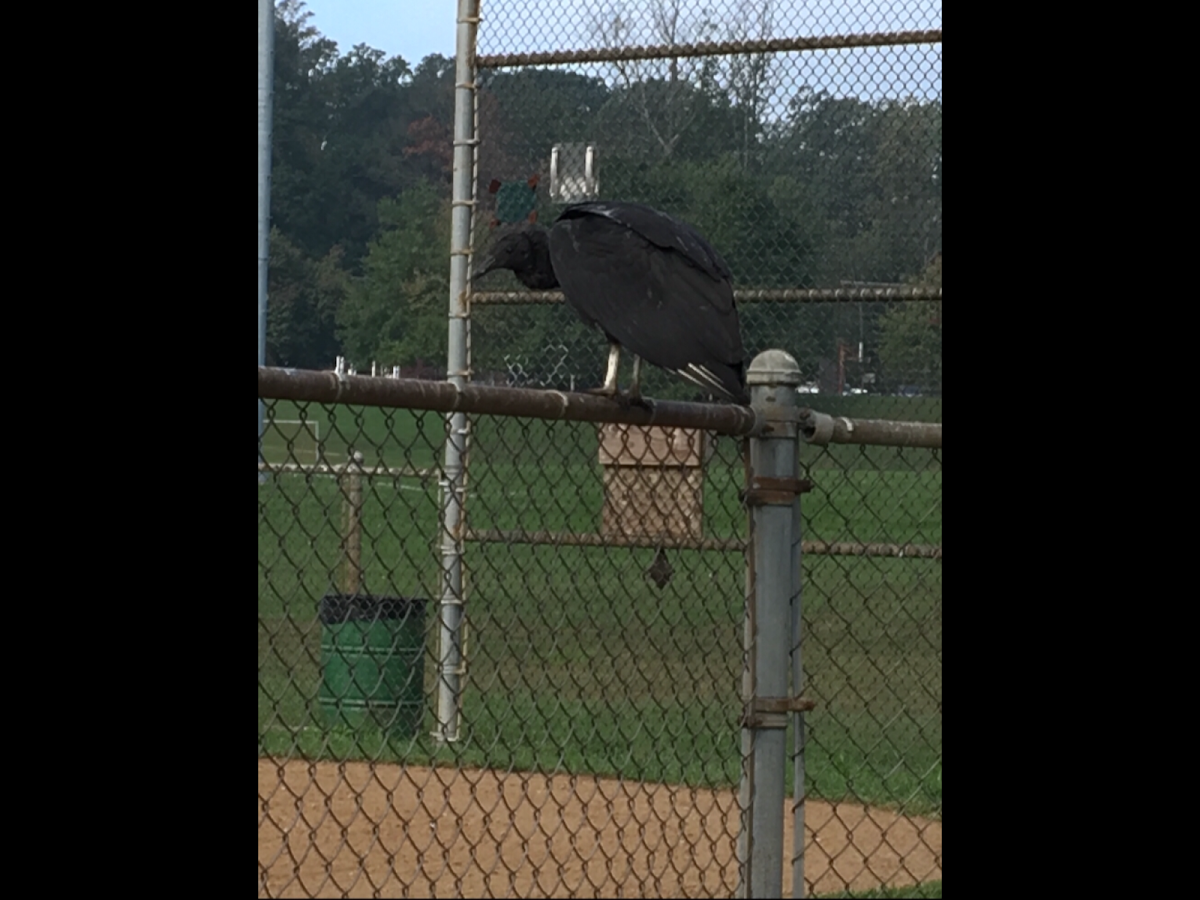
pixel 818 548
pixel 440 396
pixel 745 295
pixel 820 428
pixel 342 468
pixel 571 539
pixel 709 48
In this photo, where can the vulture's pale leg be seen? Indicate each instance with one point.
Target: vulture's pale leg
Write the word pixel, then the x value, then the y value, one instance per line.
pixel 610 379
pixel 635 389
pixel 614 360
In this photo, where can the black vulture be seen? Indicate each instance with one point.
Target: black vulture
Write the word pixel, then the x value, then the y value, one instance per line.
pixel 651 283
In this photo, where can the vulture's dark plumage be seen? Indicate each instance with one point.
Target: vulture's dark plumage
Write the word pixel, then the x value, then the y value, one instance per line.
pixel 648 281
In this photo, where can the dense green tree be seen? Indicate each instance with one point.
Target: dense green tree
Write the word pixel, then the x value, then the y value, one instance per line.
pixel 536 108
pixel 304 297
pixel 838 190
pixel 300 116
pixel 349 131
pixel 395 313
pixel 872 172
pixel 910 337
pixel 429 152
pixel 345 134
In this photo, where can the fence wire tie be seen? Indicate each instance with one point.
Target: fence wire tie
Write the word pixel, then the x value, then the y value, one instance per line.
pixel 772 712
pixel 565 402
pixel 341 385
pixel 766 491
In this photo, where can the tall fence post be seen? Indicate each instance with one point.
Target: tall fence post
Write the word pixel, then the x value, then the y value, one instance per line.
pixel 351 480
pixel 450 660
pixel 266 77
pixel 798 737
pixel 772 495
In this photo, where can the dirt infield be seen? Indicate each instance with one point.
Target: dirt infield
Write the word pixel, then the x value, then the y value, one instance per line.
pixel 330 830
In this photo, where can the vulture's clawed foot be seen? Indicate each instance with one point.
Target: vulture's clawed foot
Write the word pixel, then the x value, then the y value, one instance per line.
pixel 610 393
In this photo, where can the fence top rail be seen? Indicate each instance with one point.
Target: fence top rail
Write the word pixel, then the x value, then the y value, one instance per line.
pixel 349 467
pixel 821 428
pixel 709 48
pixel 744 295
pixel 440 396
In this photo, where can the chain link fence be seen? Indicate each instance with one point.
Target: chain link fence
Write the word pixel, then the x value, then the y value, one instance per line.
pixel 803 139
pixel 596 676
pixel 599 688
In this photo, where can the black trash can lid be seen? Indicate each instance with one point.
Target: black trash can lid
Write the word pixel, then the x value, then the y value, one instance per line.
pixel 338 608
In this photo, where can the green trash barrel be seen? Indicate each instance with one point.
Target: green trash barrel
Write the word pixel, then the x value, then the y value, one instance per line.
pixel 372 662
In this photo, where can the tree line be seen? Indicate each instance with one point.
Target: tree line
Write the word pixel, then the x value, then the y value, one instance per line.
pixel 814 192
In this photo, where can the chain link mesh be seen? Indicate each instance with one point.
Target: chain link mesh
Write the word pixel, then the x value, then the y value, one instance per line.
pixel 598 750
pixel 816 173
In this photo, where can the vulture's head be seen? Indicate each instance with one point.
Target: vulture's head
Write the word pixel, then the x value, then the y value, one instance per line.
pixel 525 251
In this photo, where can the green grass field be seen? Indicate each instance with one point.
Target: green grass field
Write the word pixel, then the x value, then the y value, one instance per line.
pixel 577 661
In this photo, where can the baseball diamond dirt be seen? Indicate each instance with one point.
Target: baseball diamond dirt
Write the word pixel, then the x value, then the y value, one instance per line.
pixel 330 829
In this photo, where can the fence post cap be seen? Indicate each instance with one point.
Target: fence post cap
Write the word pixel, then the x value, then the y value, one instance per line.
pixel 773 367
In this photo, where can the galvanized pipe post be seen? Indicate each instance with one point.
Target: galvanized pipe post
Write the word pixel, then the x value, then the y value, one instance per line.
pixel 796 611
pixel 266 78
pixel 352 504
pixel 772 495
pixel 450 658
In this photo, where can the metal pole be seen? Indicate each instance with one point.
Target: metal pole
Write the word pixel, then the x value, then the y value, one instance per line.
pixel 798 791
pixel 266 75
pixel 743 295
pixel 352 579
pixel 451 606
pixel 411 393
pixel 821 428
pixel 771 494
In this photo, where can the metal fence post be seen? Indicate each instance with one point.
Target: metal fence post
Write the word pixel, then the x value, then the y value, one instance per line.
pixel 771 494
pixel 457 366
pixel 351 482
pixel 266 79
pixel 797 688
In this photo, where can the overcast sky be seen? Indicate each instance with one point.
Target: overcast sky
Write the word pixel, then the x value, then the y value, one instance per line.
pixel 413 29
pixel 409 28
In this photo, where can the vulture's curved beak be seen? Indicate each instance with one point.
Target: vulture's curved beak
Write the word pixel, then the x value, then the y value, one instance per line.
pixel 486 263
